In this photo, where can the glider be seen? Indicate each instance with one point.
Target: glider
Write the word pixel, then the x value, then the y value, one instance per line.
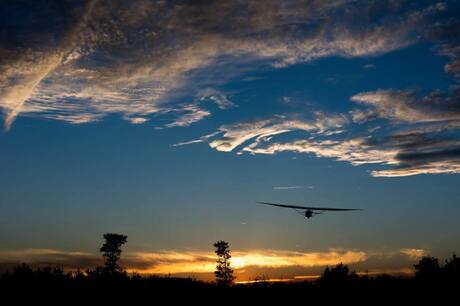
pixel 307 211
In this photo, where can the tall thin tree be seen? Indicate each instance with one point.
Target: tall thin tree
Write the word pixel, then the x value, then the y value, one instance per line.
pixel 223 273
pixel 111 251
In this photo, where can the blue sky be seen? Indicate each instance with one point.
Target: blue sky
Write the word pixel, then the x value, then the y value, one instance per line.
pixel 169 129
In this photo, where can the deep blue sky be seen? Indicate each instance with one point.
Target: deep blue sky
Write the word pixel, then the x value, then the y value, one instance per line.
pixel 65 182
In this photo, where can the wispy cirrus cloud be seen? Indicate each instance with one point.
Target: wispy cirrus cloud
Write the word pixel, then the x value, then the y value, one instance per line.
pixel 292 187
pixel 407 106
pixel 189 114
pixel 199 140
pixel 261 131
pixel 429 142
pixel 433 149
pixel 153 61
pixel 79 61
pixel 420 135
pixel 217 97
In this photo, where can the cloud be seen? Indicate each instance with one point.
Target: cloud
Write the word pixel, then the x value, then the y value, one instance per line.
pixel 199 140
pixel 189 114
pixel 79 62
pixel 292 187
pixel 431 168
pixel 286 99
pixel 406 106
pixel 45 257
pixel 430 144
pixel 429 149
pixel 355 151
pixel 415 133
pixel 137 120
pixel 362 116
pixel 218 98
pixel 447 34
pixel 414 253
pixel 257 137
pixel 263 130
pixel 31 72
pixel 248 264
pixel 179 262
pixel 179 144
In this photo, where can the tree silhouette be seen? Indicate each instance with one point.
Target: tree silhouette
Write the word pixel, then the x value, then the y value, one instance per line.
pixel 223 273
pixel 338 274
pixel 427 268
pixel 440 282
pixel 452 268
pixel 111 250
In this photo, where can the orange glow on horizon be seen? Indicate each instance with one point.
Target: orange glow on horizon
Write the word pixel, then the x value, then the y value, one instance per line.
pixel 204 262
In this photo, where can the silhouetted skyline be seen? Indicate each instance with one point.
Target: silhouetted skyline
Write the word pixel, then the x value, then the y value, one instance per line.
pixel 167 120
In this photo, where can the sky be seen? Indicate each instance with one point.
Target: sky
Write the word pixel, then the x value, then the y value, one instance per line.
pixel 167 120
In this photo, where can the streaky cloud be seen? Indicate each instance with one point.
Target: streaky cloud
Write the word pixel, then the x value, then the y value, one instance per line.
pixel 292 187
pixel 421 150
pixel 261 131
pixel 406 106
pixel 80 61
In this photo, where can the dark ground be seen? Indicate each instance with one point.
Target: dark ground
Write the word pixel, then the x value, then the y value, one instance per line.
pixel 432 283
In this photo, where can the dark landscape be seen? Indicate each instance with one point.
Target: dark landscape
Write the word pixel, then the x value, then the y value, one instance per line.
pixel 229 151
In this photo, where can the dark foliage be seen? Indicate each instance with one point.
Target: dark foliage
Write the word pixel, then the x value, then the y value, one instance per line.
pixel 427 268
pixel 223 273
pixel 430 281
pixel 111 251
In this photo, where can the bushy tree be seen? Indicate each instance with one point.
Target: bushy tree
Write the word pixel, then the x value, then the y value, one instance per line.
pixel 427 268
pixel 111 250
pixel 338 274
pixel 223 273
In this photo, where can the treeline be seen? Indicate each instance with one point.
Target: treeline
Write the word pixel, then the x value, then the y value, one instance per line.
pixel 430 278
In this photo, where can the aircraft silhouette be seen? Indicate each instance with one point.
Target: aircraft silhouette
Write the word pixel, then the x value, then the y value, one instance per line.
pixel 308 211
